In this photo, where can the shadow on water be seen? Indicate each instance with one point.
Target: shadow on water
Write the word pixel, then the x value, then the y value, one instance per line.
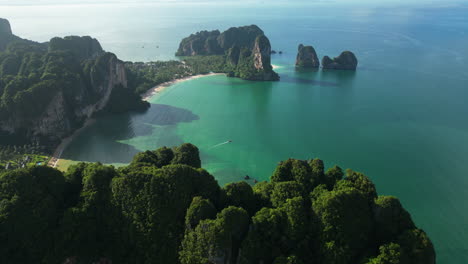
pixel 163 115
pixel 100 141
pixel 340 77
pixel 306 76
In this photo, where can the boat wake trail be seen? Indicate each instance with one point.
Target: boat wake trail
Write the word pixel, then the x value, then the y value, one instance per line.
pixel 220 144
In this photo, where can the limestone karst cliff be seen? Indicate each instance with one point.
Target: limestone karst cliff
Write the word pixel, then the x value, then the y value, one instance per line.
pixel 47 93
pixel 82 47
pixel 246 49
pixel 307 57
pixel 346 61
pixel 5 27
pixel 6 35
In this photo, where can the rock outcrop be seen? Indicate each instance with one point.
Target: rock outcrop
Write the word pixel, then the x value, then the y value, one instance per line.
pixel 262 61
pixel 217 43
pixel 239 36
pixel 247 51
pixel 82 47
pixel 346 61
pixel 5 28
pixel 6 35
pixel 307 57
pixel 201 43
pixel 66 84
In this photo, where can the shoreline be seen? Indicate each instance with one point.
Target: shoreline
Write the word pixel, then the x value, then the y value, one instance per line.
pixel 158 88
pixel 55 158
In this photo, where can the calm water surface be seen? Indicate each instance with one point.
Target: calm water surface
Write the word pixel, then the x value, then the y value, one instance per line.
pixel 401 118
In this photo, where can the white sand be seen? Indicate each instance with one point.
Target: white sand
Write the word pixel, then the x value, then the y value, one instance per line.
pixel 60 148
pixel 275 66
pixel 157 89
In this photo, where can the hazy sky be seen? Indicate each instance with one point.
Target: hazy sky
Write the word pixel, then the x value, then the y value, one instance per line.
pixel 372 2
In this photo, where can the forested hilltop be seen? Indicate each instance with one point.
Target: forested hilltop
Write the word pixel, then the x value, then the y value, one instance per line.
pixel 163 208
pixel 48 90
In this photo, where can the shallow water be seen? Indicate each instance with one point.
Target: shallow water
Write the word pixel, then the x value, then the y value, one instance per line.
pixel 401 118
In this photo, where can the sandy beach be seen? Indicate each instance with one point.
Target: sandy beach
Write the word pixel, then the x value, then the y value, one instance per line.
pixel 157 89
pixel 60 148
pixel 54 160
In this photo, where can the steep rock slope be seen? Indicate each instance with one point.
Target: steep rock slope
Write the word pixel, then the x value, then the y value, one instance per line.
pixel 246 49
pixel 47 93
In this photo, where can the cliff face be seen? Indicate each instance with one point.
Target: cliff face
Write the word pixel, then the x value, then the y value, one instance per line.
pixel 82 47
pixel 239 36
pixel 201 43
pixel 6 35
pixel 346 61
pixel 262 61
pixel 216 43
pixel 307 57
pixel 55 90
pixel 64 113
pixel 247 51
pixel 5 28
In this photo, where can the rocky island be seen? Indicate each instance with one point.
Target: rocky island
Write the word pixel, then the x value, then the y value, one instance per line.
pixel 307 57
pixel 243 52
pixel 346 61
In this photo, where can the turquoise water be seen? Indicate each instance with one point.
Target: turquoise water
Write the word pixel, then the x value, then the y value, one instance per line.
pixel 401 118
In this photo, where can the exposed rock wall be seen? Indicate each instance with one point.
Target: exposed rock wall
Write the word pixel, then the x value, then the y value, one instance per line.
pixel 83 47
pixel 307 57
pixel 247 51
pixel 5 28
pixel 82 88
pixel 346 61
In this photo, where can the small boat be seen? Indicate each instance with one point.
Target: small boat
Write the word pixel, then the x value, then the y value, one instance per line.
pixel 247 177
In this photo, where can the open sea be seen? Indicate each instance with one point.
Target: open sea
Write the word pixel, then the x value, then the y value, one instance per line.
pixel 401 118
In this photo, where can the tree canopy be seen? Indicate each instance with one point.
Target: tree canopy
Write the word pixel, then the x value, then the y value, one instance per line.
pixel 164 208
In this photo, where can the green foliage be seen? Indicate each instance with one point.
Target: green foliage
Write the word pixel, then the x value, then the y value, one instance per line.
pixel 143 76
pixel 20 156
pixel 69 76
pixel 82 47
pixel 262 191
pixel 163 208
pixel 216 239
pixel 265 238
pixel 391 219
pixel 187 154
pixel 240 194
pixel 296 170
pixel 417 247
pixel 361 182
pixel 284 191
pixel 333 175
pixel 199 209
pixel 389 254
pixel 346 222
pixel 31 205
